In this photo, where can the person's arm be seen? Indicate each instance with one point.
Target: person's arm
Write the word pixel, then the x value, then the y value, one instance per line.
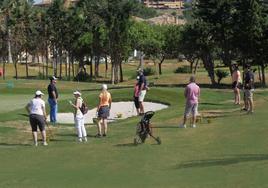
pixel 185 92
pixel 110 102
pixel 44 111
pixel 98 107
pixel 54 96
pixel 28 108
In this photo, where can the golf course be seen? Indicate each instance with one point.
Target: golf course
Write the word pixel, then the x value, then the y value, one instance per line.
pixel 227 149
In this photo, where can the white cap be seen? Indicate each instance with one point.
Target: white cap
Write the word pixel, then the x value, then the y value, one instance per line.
pixel 53 78
pixel 38 92
pixel 104 87
pixel 77 93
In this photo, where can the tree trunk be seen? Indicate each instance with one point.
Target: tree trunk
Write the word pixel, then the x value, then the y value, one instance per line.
pixel 263 75
pixel 106 66
pixel 60 59
pixel 97 62
pixel 113 74
pixel 73 66
pixel 26 63
pixel 196 64
pixel 4 69
pixel 121 72
pixel 91 67
pixel 47 61
pixel 209 66
pixel 16 69
pixel 10 60
pixel 160 65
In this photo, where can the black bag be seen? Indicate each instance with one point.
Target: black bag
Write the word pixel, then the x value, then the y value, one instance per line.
pixel 84 108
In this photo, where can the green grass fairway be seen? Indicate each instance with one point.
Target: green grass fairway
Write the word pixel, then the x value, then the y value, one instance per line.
pixel 227 151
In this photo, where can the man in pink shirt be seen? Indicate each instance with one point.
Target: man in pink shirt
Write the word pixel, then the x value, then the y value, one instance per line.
pixel 191 93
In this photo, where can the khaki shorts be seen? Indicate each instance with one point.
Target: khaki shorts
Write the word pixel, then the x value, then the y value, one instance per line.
pixel 142 95
pixel 191 109
pixel 249 93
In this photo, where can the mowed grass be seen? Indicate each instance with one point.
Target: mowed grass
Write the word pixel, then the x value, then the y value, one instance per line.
pixel 229 151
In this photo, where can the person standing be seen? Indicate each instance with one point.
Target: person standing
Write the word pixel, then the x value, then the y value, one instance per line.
pixel 37 111
pixel 192 94
pixel 142 90
pixel 103 111
pixel 79 117
pixel 248 89
pixel 136 96
pixel 53 99
pixel 236 78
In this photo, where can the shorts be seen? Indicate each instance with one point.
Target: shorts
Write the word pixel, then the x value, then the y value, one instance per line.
pixel 37 121
pixel 236 85
pixel 104 112
pixel 191 109
pixel 142 95
pixel 249 93
pixel 136 102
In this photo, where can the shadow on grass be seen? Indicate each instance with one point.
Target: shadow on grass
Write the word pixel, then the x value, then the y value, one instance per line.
pixel 126 145
pixel 13 145
pixel 235 159
pixel 165 127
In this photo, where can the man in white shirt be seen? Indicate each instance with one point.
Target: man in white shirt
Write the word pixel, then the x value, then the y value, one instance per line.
pixel 36 109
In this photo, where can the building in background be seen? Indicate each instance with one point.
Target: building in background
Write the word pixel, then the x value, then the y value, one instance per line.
pixel 164 4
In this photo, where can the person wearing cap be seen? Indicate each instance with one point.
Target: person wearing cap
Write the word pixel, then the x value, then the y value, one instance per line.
pixel 192 94
pixel 143 87
pixel 79 117
pixel 248 89
pixel 53 99
pixel 37 111
pixel 103 111
pixel 136 96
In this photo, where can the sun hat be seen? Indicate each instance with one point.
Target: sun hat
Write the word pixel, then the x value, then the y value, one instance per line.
pixel 104 87
pixel 77 93
pixel 38 92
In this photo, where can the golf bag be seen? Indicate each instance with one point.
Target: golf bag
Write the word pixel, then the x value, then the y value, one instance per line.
pixel 144 129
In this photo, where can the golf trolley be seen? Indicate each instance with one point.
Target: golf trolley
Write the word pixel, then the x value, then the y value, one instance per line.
pixel 144 129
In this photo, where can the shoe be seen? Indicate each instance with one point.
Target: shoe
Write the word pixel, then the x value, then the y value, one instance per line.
pixel 85 139
pixel 244 109
pixel 35 143
pixel 98 136
pixel 104 135
pixel 45 144
pixel 80 140
pixel 193 126
pixel 182 126
pixel 249 112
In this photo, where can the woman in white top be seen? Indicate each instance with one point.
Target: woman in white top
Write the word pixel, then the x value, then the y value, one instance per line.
pixel 79 117
pixel 36 109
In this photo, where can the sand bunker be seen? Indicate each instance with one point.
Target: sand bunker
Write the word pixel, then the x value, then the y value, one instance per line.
pixel 119 110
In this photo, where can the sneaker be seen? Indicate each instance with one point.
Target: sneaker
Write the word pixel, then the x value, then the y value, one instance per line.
pixel 45 143
pixel 80 140
pixel 35 143
pixel 182 126
pixel 193 126
pixel 98 136
pixel 85 139
pixel 104 135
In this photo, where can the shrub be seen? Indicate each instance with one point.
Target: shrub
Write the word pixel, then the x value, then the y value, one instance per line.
pixel 184 69
pixel 221 74
pixel 82 77
pixel 148 71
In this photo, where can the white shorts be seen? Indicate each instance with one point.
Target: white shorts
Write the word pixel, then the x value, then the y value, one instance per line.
pixel 191 109
pixel 142 95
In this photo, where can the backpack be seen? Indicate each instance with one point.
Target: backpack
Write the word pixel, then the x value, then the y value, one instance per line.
pixel 84 108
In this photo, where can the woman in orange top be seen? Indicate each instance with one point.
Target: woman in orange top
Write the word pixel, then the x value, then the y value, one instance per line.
pixel 103 110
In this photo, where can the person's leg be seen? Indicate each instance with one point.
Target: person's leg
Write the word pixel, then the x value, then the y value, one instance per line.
pixel 53 110
pixel 250 101
pixel 41 125
pixel 194 114
pixel 35 138
pixel 235 96
pixel 44 137
pixel 141 99
pixel 83 129
pixel 186 114
pixel 78 128
pixel 141 107
pixel 99 127
pixel 238 95
pixel 105 125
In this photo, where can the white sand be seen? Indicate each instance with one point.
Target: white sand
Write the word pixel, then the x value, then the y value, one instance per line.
pixel 127 109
